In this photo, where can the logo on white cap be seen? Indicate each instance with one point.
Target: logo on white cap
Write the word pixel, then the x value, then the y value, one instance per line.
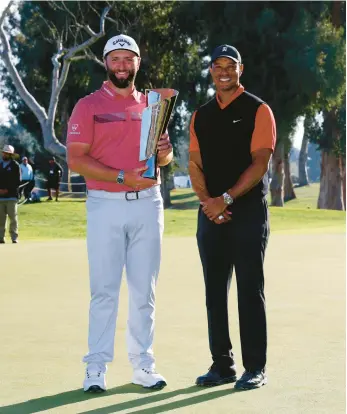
pixel 121 42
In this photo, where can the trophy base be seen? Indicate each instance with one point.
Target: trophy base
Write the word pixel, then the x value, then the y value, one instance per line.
pixel 152 171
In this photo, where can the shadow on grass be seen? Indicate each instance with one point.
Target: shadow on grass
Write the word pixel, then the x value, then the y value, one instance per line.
pixel 175 197
pixel 71 397
pixel 188 205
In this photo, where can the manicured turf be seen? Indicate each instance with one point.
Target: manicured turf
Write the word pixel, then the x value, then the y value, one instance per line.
pixel 44 294
pixel 66 219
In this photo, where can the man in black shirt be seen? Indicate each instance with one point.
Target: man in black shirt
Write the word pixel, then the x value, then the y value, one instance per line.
pixel 55 173
pixel 232 138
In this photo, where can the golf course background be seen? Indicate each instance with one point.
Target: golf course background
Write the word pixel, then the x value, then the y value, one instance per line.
pixel 67 218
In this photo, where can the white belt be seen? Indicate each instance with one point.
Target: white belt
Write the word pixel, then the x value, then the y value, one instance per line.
pixel 125 195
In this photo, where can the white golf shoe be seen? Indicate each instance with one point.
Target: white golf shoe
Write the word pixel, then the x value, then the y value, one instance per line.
pixel 95 379
pixel 148 378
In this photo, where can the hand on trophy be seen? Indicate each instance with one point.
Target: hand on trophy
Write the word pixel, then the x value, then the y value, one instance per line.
pixel 134 179
pixel 164 146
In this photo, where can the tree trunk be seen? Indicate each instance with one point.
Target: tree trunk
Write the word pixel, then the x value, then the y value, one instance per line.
pixel 343 174
pixel 303 176
pixel 64 118
pixel 330 191
pixel 289 193
pixel 276 186
pixel 331 178
pixel 165 185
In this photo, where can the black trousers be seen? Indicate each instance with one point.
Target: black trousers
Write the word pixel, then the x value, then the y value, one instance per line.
pixel 239 244
pixel 27 189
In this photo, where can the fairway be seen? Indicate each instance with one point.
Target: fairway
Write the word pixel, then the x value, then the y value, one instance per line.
pixel 44 298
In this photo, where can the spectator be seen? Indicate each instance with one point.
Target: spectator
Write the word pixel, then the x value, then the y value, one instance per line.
pixel 9 184
pixel 28 181
pixel 54 177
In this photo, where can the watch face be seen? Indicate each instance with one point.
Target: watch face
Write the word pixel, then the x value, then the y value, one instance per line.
pixel 227 199
pixel 120 178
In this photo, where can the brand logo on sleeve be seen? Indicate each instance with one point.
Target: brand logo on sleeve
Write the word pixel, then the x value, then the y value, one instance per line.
pixel 74 131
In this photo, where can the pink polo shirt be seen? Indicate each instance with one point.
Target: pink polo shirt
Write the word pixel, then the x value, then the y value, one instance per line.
pixel 111 125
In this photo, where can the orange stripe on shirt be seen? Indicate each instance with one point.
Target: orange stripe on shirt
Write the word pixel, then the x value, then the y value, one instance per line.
pixel 264 133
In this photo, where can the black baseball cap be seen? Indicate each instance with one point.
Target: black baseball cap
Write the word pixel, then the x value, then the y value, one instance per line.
pixel 226 51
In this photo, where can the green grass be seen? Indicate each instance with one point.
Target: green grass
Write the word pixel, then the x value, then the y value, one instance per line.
pixel 67 219
pixel 306 197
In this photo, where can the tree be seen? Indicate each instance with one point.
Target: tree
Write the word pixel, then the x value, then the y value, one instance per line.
pixel 61 62
pixel 288 67
pixel 303 174
pixel 289 193
pixel 332 192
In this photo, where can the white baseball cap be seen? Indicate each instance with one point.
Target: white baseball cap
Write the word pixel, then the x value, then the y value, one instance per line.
pixel 121 42
pixel 8 149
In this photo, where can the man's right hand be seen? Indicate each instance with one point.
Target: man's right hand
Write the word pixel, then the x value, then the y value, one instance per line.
pixel 226 217
pixel 134 179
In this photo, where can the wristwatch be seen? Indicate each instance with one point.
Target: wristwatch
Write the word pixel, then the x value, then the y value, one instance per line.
pixel 120 178
pixel 228 200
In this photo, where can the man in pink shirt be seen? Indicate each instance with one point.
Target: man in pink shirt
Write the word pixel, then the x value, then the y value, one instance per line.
pixel 125 218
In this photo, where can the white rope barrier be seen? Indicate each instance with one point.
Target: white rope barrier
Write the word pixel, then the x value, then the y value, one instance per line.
pixel 60 192
pixel 45 180
pixel 37 190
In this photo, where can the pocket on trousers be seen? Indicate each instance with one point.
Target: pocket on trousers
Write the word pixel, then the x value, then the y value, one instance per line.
pixel 92 204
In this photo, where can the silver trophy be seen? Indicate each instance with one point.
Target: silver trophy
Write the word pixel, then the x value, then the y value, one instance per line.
pixel 155 118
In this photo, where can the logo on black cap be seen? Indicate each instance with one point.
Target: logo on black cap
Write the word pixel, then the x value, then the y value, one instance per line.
pixel 226 51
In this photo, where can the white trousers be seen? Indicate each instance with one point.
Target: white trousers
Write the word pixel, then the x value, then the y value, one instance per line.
pixel 123 233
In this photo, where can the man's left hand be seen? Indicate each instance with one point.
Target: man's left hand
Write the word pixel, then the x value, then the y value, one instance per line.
pixel 164 146
pixel 213 207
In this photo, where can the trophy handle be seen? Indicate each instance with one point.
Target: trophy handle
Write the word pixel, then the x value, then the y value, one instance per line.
pixel 151 172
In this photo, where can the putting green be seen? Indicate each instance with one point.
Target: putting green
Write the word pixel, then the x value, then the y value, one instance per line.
pixel 44 296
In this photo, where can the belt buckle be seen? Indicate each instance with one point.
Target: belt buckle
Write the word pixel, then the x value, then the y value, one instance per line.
pixel 132 192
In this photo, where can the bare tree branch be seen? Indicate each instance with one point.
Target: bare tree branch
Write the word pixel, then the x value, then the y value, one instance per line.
pixel 112 21
pixel 61 64
pixel 51 27
pixel 91 56
pixel 92 39
pixel 70 54
pixel 68 11
pixel 89 30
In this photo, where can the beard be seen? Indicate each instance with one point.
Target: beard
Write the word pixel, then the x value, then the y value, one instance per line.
pixel 121 83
